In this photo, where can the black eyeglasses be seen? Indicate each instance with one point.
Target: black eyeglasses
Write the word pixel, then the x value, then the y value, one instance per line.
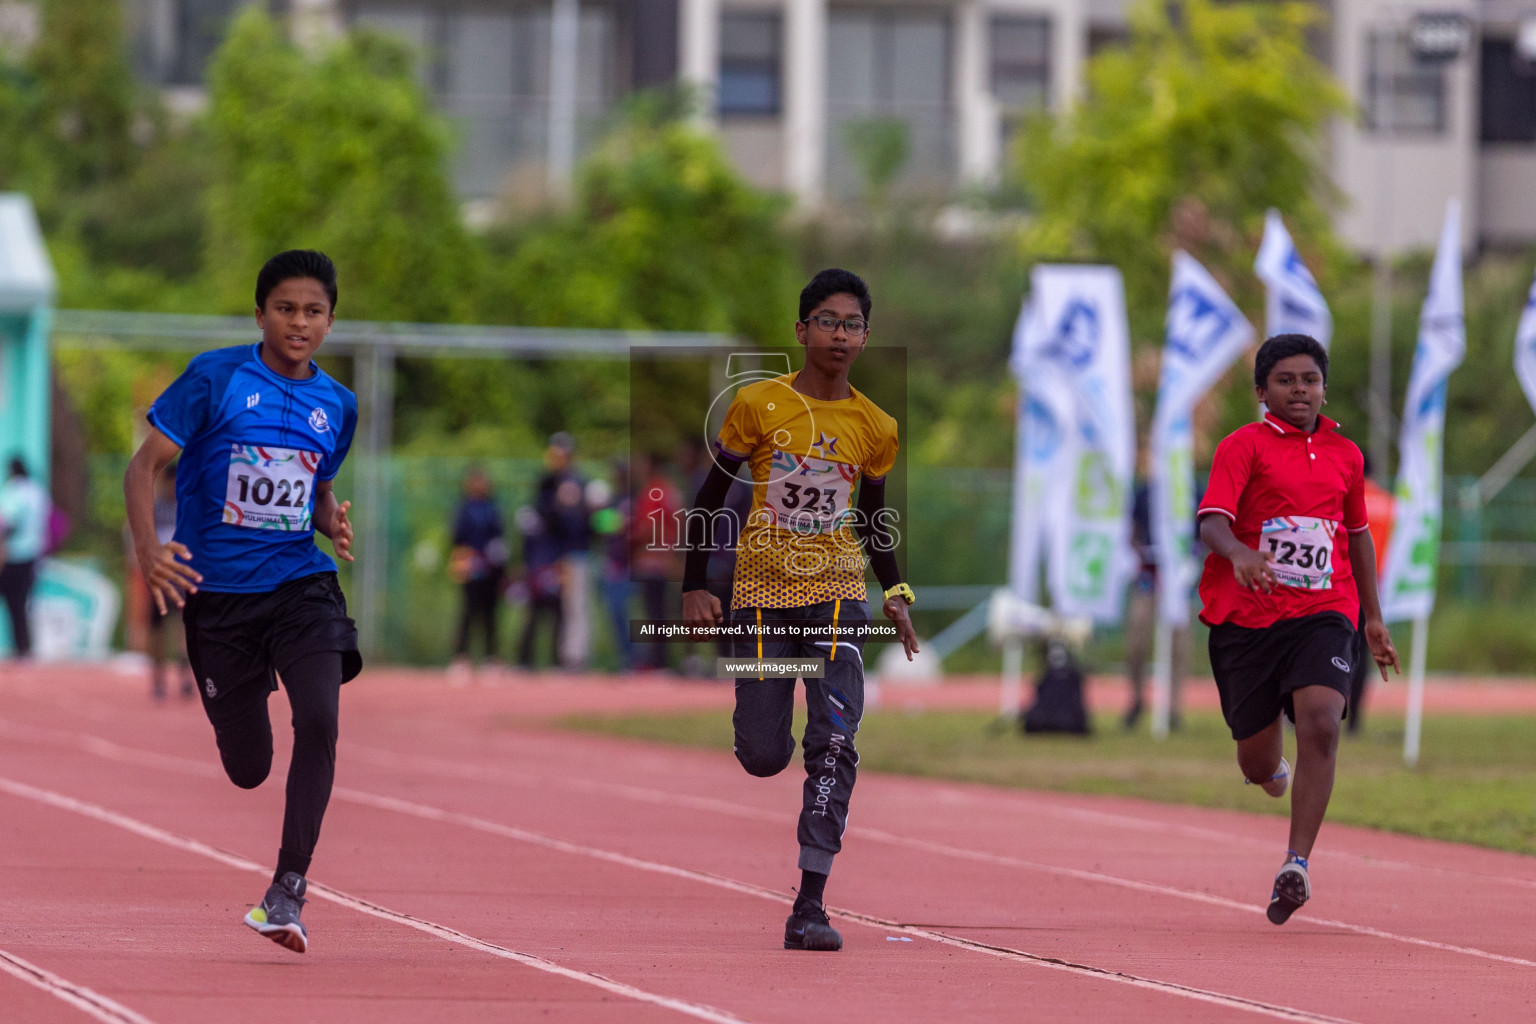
pixel 854 327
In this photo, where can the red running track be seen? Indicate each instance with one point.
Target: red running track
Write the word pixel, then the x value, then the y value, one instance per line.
pixel 479 865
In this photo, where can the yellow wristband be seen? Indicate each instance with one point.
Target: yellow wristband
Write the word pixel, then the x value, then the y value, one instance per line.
pixel 902 591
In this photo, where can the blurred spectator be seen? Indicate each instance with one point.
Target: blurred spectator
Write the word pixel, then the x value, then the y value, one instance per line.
pixel 24 509
pixel 562 506
pixel 653 549
pixel 1379 512
pixel 611 523
pixel 541 585
pixel 1141 619
pixel 478 563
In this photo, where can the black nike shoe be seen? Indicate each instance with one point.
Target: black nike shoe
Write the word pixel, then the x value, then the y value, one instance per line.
pixel 278 916
pixel 1292 889
pixel 808 928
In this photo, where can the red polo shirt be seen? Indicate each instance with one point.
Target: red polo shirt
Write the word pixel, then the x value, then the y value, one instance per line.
pixel 1297 496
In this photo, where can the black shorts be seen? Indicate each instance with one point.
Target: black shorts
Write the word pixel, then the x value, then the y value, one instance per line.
pixel 1256 669
pixel 238 640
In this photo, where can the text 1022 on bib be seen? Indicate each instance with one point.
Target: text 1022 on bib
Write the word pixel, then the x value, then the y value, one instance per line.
pixel 270 488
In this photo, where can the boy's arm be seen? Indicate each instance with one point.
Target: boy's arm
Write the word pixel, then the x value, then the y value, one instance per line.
pixel 1362 559
pixel 1249 566
pixel 880 543
pixel 163 573
pixel 700 607
pixel 330 518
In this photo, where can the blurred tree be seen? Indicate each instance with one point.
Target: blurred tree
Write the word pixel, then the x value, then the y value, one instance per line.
pixel 341 151
pixel 881 147
pixel 1210 114
pixel 662 233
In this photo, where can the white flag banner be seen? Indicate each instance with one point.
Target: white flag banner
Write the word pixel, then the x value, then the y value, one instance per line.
pixel 1294 304
pixel 1077 441
pixel 1206 332
pixel 1038 448
pixel 1413 555
pixel 1525 348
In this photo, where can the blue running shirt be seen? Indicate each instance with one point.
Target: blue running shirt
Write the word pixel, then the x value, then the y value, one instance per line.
pixel 253 443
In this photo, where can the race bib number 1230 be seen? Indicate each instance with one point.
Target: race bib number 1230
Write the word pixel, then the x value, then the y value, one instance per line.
pixel 270 488
pixel 1300 550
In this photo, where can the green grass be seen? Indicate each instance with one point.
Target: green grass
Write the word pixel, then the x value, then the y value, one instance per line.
pixel 1475 782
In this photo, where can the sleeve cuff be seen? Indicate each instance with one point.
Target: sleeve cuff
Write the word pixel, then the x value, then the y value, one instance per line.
pixel 723 450
pixel 156 422
pixel 1213 510
pixel 1357 529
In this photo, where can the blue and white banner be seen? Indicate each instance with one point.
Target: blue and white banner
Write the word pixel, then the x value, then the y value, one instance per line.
pixel 1525 348
pixel 1294 304
pixel 1206 332
pixel 1413 555
pixel 1077 441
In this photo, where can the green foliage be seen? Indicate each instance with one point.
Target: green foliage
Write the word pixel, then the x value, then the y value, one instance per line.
pixel 1185 137
pixel 338 151
pixel 662 233
pixel 881 147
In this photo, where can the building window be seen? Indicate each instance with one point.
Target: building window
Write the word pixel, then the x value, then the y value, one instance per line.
pixel 1021 62
pixel 1403 94
pixel 1508 94
pixel 751 63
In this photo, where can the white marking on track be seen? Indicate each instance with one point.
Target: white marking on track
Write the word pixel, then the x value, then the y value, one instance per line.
pixel 113 751
pixel 190 845
pixel 92 1003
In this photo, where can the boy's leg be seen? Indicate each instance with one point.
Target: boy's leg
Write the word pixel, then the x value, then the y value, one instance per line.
pixel 765 707
pixel 233 679
pixel 242 730
pixel 1259 755
pixel 834 709
pixel 313 683
pixel 1319 710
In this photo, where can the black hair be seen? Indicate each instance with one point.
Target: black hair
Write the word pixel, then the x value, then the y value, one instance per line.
pixel 18 466
pixel 834 282
pixel 1283 346
pixel 296 263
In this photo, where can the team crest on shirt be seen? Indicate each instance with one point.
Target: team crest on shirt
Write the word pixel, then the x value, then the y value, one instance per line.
pixel 318 421
pixel 824 445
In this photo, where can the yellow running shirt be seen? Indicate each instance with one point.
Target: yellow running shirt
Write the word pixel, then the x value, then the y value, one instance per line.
pixel 798 546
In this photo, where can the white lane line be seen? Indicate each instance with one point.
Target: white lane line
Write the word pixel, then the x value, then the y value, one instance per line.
pixel 113 751
pixel 441 816
pixel 106 748
pixel 190 845
pixel 93 1004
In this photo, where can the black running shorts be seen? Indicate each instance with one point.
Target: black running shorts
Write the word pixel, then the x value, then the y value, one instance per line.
pixel 1256 669
pixel 236 640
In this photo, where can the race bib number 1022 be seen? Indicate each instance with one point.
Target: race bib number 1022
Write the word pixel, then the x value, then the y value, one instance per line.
pixel 270 488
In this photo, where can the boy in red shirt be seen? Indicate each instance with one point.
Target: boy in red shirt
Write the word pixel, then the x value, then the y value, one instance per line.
pixel 1291 569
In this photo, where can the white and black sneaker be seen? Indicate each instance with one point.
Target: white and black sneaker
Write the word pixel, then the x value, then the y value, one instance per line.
pixel 1292 888
pixel 278 916
pixel 1276 784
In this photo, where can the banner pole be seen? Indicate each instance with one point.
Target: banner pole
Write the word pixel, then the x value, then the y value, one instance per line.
pixel 1162 679
pixel 1010 695
pixel 1415 720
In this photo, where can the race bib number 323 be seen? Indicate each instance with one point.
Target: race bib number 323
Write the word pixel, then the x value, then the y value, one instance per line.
pixel 808 495
pixel 270 488
pixel 1300 550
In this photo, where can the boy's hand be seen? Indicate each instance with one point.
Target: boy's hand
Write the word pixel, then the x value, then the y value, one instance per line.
pixel 701 609
pixel 1252 570
pixel 1380 642
pixel 341 532
pixel 896 610
pixel 167 577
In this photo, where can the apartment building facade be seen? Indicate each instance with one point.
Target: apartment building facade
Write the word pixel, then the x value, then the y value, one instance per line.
pixel 1445 91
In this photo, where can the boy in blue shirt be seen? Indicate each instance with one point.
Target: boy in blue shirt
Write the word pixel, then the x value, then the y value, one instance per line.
pixel 261 432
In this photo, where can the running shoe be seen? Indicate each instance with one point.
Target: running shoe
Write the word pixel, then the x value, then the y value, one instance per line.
pixel 808 928
pixel 278 916
pixel 1292 889
pixel 1276 784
